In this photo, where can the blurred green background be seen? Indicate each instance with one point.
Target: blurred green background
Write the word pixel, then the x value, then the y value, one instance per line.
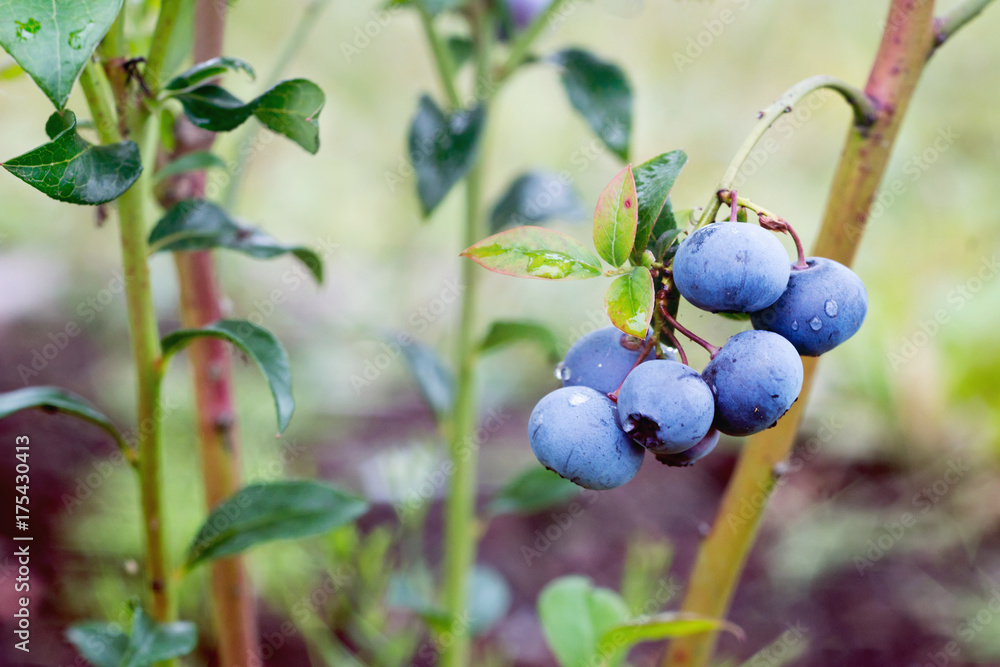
pixel 915 390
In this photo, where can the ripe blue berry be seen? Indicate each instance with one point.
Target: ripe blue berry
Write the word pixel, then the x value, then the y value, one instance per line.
pixel 822 306
pixel 755 377
pixel 600 360
pixel 689 456
pixel 731 267
pixel 665 406
pixel 574 432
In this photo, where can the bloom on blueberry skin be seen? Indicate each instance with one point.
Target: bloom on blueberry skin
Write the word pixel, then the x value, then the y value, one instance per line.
pixel 574 432
pixel 600 360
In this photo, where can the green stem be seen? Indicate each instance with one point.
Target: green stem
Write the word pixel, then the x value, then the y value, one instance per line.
pixel 461 526
pixel 521 46
pixel 296 40
pixel 906 44
pixel 146 351
pixel 864 116
pixel 165 23
pixel 442 58
pixel 957 18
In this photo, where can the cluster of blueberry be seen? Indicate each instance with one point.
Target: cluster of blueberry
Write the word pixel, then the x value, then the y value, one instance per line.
pixel 619 400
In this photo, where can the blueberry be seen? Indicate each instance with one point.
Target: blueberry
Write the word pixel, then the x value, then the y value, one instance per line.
pixel 755 377
pixel 689 456
pixel 822 306
pixel 523 12
pixel 600 360
pixel 731 267
pixel 665 406
pixel 574 432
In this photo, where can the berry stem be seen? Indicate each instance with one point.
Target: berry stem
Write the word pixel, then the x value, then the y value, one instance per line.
pixel 712 349
pixel 677 345
pixel 768 220
pixel 643 353
pixel 733 205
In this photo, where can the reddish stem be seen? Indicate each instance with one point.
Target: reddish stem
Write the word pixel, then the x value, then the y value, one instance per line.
pixel 712 349
pixel 733 207
pixel 802 263
pixel 677 345
pixel 643 353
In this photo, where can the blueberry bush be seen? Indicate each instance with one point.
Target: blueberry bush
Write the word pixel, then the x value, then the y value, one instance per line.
pixel 140 141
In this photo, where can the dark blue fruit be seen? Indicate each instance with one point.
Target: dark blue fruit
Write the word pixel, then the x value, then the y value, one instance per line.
pixel 665 406
pixel 731 267
pixel 689 456
pixel 600 360
pixel 822 306
pixel 755 377
pixel 574 432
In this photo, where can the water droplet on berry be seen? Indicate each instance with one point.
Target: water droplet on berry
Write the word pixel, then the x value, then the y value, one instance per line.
pixel 562 372
pixel 815 324
pixel 795 325
pixel 578 399
pixel 831 308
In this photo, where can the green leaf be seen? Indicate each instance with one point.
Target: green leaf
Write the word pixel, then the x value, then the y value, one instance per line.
pixel 437 386
pixel 206 70
pixel 600 92
pixel 196 161
pixel 271 511
pixel 504 333
pixel 461 49
pixel 195 224
pixel 259 344
pixel 665 242
pixel 535 252
pixel 489 599
pixel 105 645
pixel 290 108
pixel 630 300
pixel 575 616
pixel 70 169
pixel 616 219
pixel 532 491
pixel 412 592
pixel 442 149
pixel 667 625
pixel 536 197
pixel 53 399
pixel 653 181
pixel 10 71
pixel 52 41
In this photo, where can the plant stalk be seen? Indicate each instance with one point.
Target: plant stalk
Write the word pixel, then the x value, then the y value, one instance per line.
pixel 864 116
pixel 906 43
pixel 219 442
pixel 146 353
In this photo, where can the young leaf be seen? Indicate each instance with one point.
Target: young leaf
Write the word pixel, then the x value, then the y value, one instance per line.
pixel 433 377
pixel 196 161
pixel 653 181
pixel 290 108
pixel 506 333
pixel 259 344
pixel 53 399
pixel 265 512
pixel 630 300
pixel 105 645
pixel 195 224
pixel 535 252
pixel 442 148
pixel 461 49
pixel 52 41
pixel 664 626
pixel 600 92
pixel 536 197
pixel 206 70
pixel 532 491
pixel 665 242
pixel 70 169
pixel 575 616
pixel 616 218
